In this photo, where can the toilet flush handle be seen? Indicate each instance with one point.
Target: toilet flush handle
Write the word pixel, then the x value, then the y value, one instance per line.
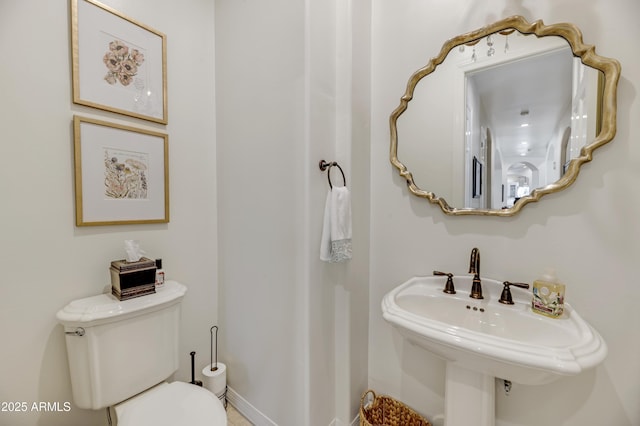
pixel 77 332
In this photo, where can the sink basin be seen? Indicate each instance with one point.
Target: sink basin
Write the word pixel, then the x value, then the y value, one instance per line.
pixel 484 336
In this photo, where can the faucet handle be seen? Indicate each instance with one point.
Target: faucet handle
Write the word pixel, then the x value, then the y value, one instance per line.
pixel 505 297
pixel 448 287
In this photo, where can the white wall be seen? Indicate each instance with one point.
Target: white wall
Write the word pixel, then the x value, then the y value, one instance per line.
pixel 589 232
pixel 293 328
pixel 262 206
pixel 46 260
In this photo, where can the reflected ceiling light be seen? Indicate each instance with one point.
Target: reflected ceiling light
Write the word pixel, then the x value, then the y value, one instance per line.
pixel 506 34
pixel 491 50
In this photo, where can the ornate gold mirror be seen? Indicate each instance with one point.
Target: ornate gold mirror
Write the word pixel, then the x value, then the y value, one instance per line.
pixel 512 113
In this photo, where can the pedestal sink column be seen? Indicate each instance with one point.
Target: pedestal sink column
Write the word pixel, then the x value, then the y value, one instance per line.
pixel 469 397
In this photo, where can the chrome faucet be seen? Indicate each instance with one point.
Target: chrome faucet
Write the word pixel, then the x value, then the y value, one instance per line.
pixel 474 268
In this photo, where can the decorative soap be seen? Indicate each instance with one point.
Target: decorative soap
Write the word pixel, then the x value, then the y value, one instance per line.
pixel 548 295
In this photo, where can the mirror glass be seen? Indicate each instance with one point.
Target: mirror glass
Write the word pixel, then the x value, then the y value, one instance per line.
pixel 498 119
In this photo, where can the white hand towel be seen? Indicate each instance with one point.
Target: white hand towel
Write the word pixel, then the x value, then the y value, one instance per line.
pixel 335 245
pixel 325 242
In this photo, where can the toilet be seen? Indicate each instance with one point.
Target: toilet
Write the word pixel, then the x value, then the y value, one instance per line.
pixel 121 354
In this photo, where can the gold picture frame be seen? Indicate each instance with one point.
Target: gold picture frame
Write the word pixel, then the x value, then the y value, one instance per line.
pixel 119 64
pixel 121 174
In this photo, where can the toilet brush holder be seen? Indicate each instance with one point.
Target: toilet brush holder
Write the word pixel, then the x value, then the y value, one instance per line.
pixel 193 371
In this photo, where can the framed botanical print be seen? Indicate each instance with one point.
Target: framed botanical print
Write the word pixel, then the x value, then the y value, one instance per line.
pixel 119 64
pixel 121 174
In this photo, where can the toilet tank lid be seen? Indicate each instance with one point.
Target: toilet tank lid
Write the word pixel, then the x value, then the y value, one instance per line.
pixel 104 307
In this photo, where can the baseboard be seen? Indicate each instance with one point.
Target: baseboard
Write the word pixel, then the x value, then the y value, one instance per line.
pixel 250 412
pixel 354 422
pixel 256 417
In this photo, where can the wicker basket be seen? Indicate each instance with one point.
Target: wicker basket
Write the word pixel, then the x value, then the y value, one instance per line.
pixel 386 411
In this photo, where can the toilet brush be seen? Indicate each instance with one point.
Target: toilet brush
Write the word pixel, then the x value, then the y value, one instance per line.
pixel 193 373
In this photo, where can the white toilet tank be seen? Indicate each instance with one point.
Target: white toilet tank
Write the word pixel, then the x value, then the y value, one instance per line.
pixel 117 349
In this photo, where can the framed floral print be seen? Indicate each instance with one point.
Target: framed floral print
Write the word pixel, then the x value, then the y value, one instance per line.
pixel 121 174
pixel 119 64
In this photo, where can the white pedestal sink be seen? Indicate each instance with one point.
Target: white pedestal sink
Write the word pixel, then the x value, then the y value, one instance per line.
pixel 484 339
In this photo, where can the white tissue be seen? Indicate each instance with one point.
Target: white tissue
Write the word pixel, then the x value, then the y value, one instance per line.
pixel 215 381
pixel 133 251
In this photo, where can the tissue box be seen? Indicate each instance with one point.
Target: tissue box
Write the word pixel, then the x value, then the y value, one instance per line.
pixel 133 279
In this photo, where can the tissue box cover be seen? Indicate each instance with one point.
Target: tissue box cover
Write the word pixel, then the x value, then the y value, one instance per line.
pixel 133 279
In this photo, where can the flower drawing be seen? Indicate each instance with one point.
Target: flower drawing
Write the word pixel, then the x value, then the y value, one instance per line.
pixel 122 63
pixel 124 178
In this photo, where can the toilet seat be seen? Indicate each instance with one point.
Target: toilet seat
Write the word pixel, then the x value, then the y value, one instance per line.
pixel 173 404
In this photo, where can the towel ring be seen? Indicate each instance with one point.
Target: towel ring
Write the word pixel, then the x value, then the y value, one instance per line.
pixel 324 166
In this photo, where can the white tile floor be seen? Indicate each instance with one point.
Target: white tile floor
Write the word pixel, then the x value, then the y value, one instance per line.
pixel 234 418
